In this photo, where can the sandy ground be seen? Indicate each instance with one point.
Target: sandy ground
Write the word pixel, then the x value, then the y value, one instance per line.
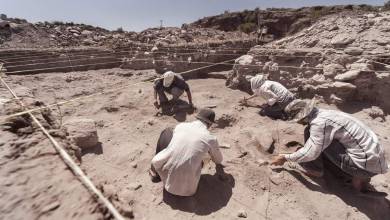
pixel 128 130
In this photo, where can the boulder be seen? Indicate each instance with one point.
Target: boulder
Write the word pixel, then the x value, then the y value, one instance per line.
pixel 347 76
pixel 333 69
pixel 265 141
pixel 82 132
pixel 342 40
pixel 361 66
pixel 342 89
pixel 86 32
pixel 354 51
pixel 354 74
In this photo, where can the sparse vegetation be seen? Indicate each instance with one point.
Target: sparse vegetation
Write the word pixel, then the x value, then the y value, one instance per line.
pixel 247 27
pixel 120 30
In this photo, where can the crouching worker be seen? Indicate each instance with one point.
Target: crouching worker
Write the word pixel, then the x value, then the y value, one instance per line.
pixel 276 95
pixel 173 84
pixel 339 138
pixel 179 161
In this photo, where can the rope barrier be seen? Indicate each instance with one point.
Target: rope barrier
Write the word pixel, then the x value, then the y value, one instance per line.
pixel 70 162
pixel 165 60
pixel 85 53
pixel 113 56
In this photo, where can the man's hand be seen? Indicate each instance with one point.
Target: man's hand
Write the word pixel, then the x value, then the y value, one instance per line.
pixel 278 160
pixel 156 105
pixel 263 105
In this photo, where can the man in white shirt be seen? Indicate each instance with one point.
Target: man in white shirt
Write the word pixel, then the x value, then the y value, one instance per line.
pixel 339 138
pixel 276 95
pixel 179 164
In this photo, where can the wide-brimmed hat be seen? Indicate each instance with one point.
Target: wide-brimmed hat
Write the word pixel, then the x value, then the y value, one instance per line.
pixel 299 109
pixel 206 115
pixel 168 78
pixel 257 81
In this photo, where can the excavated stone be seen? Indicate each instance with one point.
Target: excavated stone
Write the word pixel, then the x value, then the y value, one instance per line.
pixel 342 40
pixel 347 76
pixel 82 132
pixel 333 69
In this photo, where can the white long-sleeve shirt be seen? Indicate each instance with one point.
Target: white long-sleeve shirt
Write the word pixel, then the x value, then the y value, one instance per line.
pixel 273 92
pixel 361 143
pixel 180 164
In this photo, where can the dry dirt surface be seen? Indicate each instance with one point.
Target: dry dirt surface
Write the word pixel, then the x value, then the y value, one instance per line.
pixel 35 183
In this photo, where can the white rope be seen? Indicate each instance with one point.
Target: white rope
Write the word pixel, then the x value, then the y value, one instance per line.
pixel 70 162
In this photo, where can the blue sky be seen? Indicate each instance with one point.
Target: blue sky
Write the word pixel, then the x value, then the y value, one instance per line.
pixel 140 14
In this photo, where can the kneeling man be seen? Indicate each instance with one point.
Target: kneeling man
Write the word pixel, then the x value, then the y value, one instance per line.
pixel 179 161
pixel 341 139
pixel 173 84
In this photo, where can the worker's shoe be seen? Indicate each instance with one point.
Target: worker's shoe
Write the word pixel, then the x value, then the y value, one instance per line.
pixel 309 169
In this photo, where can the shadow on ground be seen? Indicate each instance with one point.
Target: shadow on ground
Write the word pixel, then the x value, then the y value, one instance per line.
pixel 214 192
pixel 98 149
pixel 179 110
pixel 374 205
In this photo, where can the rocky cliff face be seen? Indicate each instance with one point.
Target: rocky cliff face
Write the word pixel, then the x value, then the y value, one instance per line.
pixel 280 22
pixel 19 33
pixel 344 57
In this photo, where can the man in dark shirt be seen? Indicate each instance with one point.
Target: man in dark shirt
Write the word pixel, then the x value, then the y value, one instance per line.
pixel 173 84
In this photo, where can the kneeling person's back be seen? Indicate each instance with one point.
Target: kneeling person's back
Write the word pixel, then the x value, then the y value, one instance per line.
pixel 180 164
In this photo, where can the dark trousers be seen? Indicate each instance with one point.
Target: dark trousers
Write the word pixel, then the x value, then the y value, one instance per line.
pixel 162 96
pixel 276 111
pixel 162 143
pixel 337 155
pixel 164 139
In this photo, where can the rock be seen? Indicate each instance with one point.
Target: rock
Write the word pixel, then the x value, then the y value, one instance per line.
pixel 335 100
pixel 89 42
pixel 242 214
pixel 342 40
pixel 134 186
pixel 86 32
pixel 332 70
pixel 354 51
pixel 265 140
pixel 375 112
pixel 73 31
pixel 361 66
pixel 52 206
pixel 127 211
pixel 244 60
pixel 347 76
pixel 111 108
pixel 133 164
pixel 262 162
pixel 125 74
pixel 82 132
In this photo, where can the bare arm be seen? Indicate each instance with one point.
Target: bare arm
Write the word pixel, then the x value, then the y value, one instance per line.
pixel 215 153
